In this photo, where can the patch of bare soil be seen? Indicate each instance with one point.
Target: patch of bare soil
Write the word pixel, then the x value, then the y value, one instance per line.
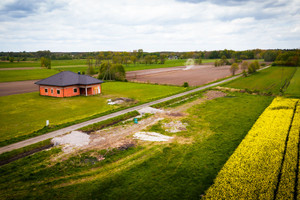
pixel 196 75
pixel 213 94
pixel 209 95
pixel 18 87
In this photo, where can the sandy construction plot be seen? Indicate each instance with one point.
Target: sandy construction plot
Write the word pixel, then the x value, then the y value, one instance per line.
pixel 197 75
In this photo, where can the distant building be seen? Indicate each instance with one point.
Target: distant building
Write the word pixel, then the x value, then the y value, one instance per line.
pixel 68 84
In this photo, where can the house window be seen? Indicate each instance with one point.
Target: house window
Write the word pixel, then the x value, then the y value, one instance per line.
pixel 75 90
pixel 51 91
pixel 46 90
pixel 58 91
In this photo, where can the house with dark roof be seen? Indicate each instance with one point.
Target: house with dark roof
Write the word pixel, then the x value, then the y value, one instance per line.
pixel 68 84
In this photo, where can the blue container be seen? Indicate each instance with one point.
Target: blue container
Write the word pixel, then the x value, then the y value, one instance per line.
pixel 135 120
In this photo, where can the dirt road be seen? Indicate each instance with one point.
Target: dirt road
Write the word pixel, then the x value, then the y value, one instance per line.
pixel 18 87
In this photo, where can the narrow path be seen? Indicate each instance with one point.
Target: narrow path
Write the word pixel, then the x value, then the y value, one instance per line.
pixel 80 125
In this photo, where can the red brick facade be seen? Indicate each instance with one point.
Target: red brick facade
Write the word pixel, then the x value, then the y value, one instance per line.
pixel 70 91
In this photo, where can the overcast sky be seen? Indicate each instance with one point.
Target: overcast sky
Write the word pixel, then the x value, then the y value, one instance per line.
pixel 152 25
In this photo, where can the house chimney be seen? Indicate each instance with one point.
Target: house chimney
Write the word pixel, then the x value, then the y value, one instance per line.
pixel 79 72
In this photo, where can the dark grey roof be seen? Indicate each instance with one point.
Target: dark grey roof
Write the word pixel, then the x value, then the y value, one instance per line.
pixel 67 78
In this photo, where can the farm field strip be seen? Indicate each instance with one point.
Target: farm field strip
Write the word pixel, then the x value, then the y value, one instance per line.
pixel 271 80
pixel 293 89
pixel 288 178
pixel 253 170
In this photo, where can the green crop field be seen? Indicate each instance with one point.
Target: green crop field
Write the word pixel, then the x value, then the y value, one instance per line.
pixel 293 89
pixel 19 64
pixel 22 75
pixel 38 63
pixel 178 170
pixel 267 80
pixel 25 113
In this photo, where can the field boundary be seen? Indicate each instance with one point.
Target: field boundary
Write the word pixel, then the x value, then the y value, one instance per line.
pixel 62 131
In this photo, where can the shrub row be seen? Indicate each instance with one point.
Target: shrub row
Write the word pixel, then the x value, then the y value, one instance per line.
pixel 286 188
pixel 109 122
pixel 178 101
pixel 252 170
pixel 25 151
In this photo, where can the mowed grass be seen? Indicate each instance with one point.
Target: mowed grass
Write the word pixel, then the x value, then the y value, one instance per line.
pixel 38 63
pixel 22 75
pixel 178 170
pixel 293 89
pixel 269 80
pixel 24 113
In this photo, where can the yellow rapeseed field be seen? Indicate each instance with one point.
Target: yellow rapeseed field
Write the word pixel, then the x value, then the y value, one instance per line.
pixel 252 170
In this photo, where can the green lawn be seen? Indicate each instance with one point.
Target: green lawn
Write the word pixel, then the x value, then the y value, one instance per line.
pixel 268 80
pixel 38 63
pixel 22 75
pixel 24 113
pixel 293 89
pixel 150 171
pixel 19 64
pixel 73 68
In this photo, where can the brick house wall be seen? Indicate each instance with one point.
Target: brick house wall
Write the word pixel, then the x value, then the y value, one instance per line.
pixel 69 91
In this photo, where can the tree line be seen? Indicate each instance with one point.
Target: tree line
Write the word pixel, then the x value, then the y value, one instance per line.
pixel 281 56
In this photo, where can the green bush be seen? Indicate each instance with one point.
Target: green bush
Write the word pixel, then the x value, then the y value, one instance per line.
pixel 185 84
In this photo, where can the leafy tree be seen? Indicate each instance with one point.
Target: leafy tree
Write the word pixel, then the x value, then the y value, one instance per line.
pixel 148 59
pixel 45 54
pixel 224 60
pixel 217 63
pixel 133 59
pixel 244 65
pixel 11 59
pixel 46 62
pixel 140 54
pixel 89 61
pixel 234 67
pixel 91 70
pixel 198 61
pixel 288 58
pixel 270 55
pixel 256 64
pixel 108 71
pixel 252 67
pixel 162 58
pixel 243 57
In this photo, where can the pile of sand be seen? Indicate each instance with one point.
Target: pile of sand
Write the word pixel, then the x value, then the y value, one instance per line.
pixel 74 139
pixel 175 126
pixel 151 136
pixel 149 110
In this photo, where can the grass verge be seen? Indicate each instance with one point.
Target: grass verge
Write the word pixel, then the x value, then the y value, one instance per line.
pixel 108 122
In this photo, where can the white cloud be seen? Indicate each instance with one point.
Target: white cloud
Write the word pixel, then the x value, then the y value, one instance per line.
pixel 92 25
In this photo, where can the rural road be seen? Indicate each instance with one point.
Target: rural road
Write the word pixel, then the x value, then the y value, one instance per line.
pixel 80 125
